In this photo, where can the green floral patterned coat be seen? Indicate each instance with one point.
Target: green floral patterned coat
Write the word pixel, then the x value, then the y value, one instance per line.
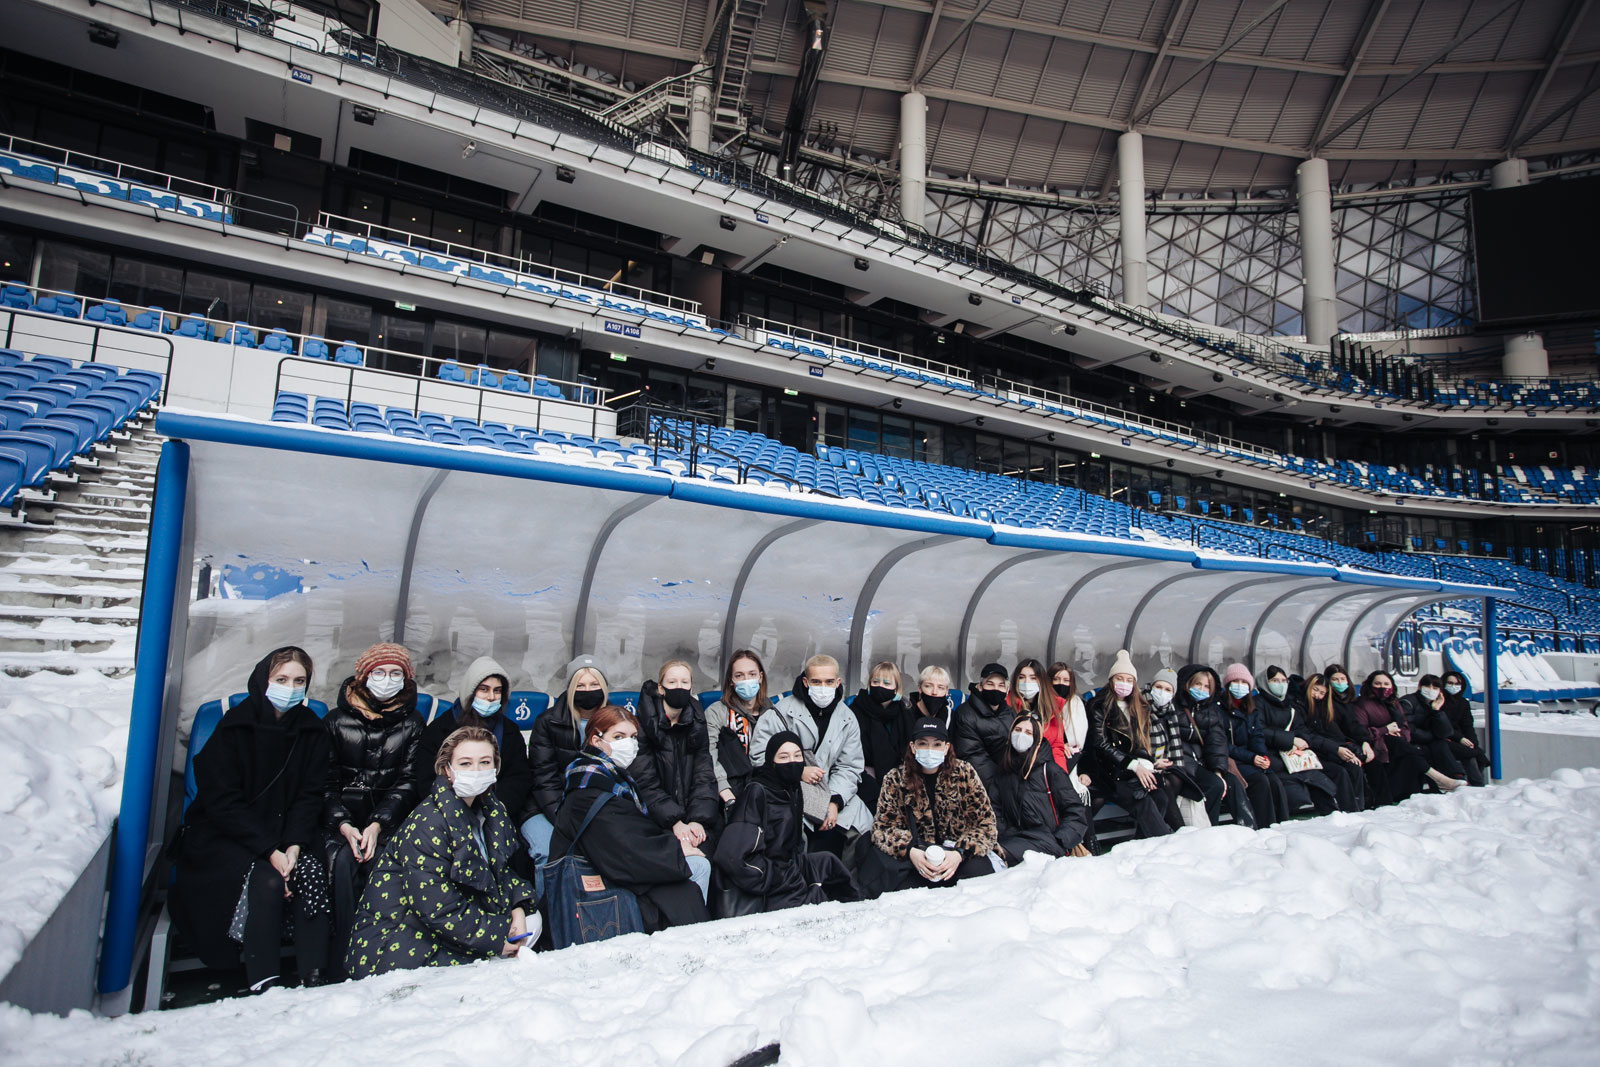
pixel 432 901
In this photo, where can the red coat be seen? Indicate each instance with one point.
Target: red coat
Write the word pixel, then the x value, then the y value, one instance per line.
pixel 1054 734
pixel 1375 716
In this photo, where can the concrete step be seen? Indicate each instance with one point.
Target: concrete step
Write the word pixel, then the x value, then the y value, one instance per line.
pixel 62 542
pixel 78 601
pixel 114 664
pixel 101 521
pixel 62 635
pixel 76 504
pixel 122 615
pixel 85 531
pixel 46 566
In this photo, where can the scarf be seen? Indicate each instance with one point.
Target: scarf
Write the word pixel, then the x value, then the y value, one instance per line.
pixel 591 764
pixel 366 705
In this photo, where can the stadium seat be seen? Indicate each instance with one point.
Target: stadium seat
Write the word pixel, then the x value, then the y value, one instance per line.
pixel 314 348
pixel 348 353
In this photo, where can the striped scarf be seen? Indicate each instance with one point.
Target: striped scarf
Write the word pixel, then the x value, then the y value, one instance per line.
pixel 591 764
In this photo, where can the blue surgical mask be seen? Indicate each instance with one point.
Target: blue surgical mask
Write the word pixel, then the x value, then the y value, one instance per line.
pixel 930 758
pixel 1239 690
pixel 1453 690
pixel 1199 694
pixel 747 688
pixel 485 707
pixel 1278 689
pixel 1340 687
pixel 284 697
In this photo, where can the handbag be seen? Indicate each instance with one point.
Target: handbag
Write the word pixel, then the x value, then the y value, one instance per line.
pixel 1302 760
pixel 580 906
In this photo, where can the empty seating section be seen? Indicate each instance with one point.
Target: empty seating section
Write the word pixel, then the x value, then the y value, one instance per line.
pixel 52 410
pixel 105 182
pixel 1523 676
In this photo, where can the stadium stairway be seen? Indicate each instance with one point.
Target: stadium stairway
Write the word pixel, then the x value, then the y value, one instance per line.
pixel 71 573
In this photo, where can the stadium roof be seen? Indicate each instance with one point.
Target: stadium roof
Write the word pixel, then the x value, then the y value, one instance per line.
pixel 1230 94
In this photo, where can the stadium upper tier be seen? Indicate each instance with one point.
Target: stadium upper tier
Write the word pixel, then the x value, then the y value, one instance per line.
pixel 1280 369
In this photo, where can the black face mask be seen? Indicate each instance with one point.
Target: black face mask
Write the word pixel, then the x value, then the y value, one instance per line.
pixel 935 705
pixel 677 698
pixel 588 699
pixel 880 694
pixel 992 697
pixel 1063 691
pixel 789 773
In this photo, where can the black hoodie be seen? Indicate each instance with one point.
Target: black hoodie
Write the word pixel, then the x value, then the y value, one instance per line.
pixel 1205 719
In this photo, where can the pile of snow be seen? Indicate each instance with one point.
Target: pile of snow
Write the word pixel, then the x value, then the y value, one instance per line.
pixel 62 742
pixel 1458 929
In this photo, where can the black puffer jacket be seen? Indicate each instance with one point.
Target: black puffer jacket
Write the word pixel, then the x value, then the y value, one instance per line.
pixel 1112 745
pixel 552 744
pixel 1428 724
pixel 981 734
pixel 673 770
pixel 1205 718
pixel 373 760
pixel 1039 811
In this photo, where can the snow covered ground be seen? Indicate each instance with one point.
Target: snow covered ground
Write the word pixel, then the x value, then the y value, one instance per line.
pixel 62 742
pixel 1461 929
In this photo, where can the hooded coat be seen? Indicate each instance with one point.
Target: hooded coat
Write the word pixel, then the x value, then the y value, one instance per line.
pixel 837 751
pixel 1206 722
pixel 1038 808
pixel 374 756
pixel 673 769
pixel 436 897
pixel 515 779
pixel 762 853
pixel 885 732
pixel 981 735
pixel 260 782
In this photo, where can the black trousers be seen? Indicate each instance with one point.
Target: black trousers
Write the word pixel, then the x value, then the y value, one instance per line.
pixel 1474 760
pixel 1267 798
pixel 1401 776
pixel 1443 759
pixel 263 929
pixel 1349 783
pixel 1308 787
pixel 1237 798
pixel 1149 810
pixel 877 872
pixel 347 878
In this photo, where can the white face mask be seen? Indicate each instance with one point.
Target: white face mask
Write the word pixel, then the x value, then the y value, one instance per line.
pixel 468 784
pixel 624 750
pixel 821 695
pixel 284 697
pixel 1028 689
pixel 1239 690
pixel 385 686
pixel 1430 695
pixel 1452 689
pixel 1160 697
pixel 1021 741
pixel 929 758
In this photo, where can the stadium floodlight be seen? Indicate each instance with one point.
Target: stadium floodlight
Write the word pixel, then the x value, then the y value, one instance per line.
pixel 103 35
pixel 861 264
pixel 566 174
pixel 974 299
pixel 727 222
pixel 364 115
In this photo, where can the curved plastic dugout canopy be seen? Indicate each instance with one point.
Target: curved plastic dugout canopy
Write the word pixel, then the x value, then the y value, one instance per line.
pixel 459 552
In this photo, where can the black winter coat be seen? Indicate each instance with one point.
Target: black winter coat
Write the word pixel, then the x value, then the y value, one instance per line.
pixel 1040 812
pixel 673 769
pixel 763 850
pixel 885 732
pixel 260 785
pixel 1247 738
pixel 552 744
pixel 435 898
pixel 1427 723
pixel 515 779
pixel 1112 745
pixel 1458 714
pixel 1205 718
pixel 981 736
pixel 373 776
pixel 630 849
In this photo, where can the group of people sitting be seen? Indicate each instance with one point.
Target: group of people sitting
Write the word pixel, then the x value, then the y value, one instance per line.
pixel 380 842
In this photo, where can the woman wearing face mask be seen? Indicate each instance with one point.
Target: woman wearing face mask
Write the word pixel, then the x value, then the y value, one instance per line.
pixel 1463 738
pixel 1288 733
pixel 1202 725
pixel 1399 768
pixel 376 734
pixel 762 855
pixel 254 823
pixel 1342 755
pixel 1031 695
pixel 932 700
pixel 1431 728
pixel 553 743
pixel 624 844
pixel 480 702
pixel 1247 744
pixel 1074 726
pixel 1177 751
pixel 982 725
pixel 1119 737
pixel 935 825
pixel 885 727
pixel 816 713
pixel 730 720
pixel 673 770
pixel 444 891
pixel 1039 811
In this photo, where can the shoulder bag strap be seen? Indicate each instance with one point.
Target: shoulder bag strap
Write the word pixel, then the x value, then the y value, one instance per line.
pixel 594 809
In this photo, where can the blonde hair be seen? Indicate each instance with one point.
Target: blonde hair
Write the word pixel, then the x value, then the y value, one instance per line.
pixel 822 660
pixel 934 673
pixel 892 669
pixel 572 689
pixel 661 675
pixel 447 750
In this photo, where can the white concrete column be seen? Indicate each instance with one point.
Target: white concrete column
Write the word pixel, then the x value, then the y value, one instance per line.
pixel 1525 356
pixel 914 158
pixel 700 114
pixel 1314 202
pixel 1508 174
pixel 1130 199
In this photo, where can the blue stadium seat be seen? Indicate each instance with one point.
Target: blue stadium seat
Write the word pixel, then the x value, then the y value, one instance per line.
pixel 524 705
pixel 149 319
pixel 349 353
pixel 314 348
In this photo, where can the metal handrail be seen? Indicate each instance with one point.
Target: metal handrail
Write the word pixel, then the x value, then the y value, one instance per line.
pixel 834 341
pixel 655 421
pixel 95 340
pixel 371 231
pixel 417 381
